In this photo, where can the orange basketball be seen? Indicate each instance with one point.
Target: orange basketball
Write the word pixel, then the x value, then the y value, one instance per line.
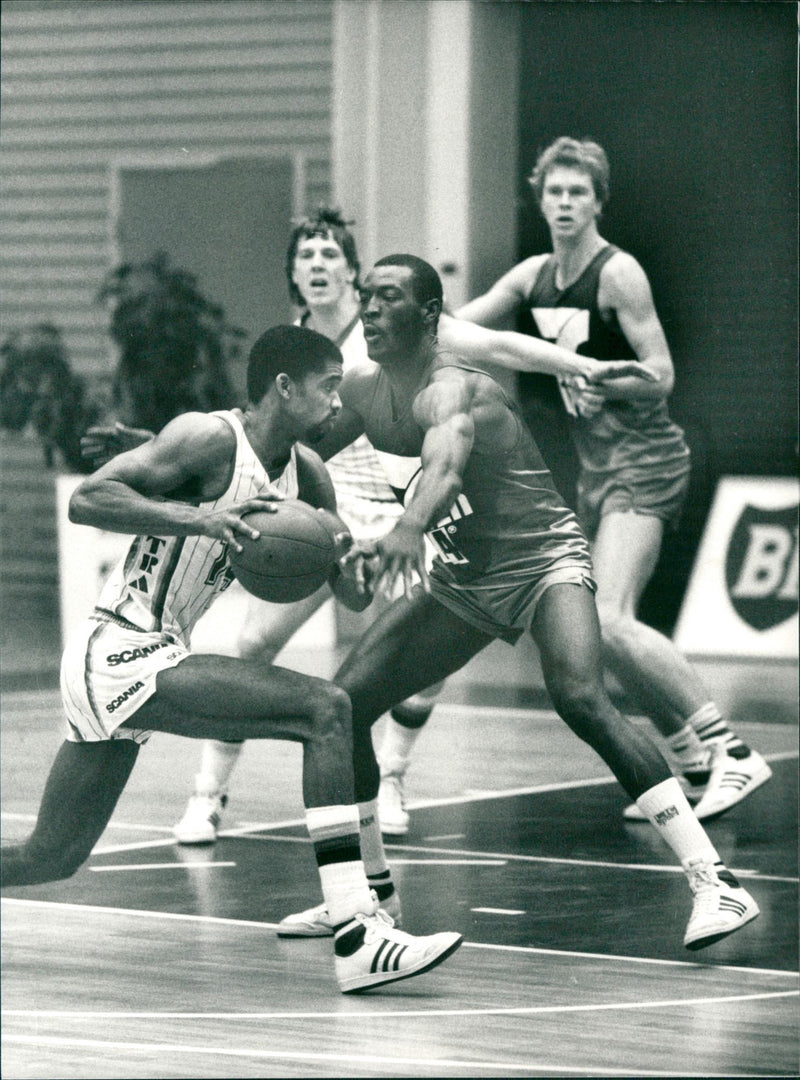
pixel 291 558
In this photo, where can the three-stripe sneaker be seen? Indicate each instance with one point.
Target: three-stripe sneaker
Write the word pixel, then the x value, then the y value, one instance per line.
pixel 721 905
pixel 201 818
pixel 370 951
pixel 734 774
pixel 316 922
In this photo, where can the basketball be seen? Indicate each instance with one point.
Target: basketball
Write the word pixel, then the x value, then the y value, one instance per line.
pixel 291 558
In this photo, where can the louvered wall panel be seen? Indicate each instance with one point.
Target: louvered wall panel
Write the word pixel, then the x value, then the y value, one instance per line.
pixel 90 82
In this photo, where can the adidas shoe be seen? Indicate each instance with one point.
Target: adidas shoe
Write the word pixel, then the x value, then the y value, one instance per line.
pixel 693 783
pixel 201 820
pixel 735 773
pixel 391 809
pixel 721 905
pixel 370 951
pixel 316 922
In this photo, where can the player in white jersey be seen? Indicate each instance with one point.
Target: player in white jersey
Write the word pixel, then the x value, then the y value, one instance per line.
pixel 129 669
pixel 322 272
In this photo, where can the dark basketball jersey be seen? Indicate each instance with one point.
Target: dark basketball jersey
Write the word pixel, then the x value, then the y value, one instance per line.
pixel 624 433
pixel 509 523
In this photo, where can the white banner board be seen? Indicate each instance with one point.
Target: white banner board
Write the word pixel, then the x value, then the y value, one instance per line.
pixel 742 598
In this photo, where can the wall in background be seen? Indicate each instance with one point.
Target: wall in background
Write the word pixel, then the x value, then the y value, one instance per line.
pixel 696 107
pixel 87 85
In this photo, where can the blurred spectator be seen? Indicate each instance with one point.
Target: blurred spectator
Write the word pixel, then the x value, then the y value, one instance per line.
pixel 37 388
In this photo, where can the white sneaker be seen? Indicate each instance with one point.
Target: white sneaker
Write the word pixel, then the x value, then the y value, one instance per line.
pixel 721 905
pixel 735 774
pixel 377 953
pixel 693 783
pixel 316 922
pixel 391 809
pixel 201 819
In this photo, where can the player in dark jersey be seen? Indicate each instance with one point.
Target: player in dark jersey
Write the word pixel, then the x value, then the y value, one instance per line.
pixel 511 559
pixel 187 492
pixel 592 297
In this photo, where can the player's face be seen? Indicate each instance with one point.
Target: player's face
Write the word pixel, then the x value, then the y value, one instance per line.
pixel 315 403
pixel 394 321
pixel 569 204
pixel 321 271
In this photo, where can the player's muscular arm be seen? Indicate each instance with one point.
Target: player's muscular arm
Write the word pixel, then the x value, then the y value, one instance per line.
pixel 625 290
pixel 193 452
pixel 520 352
pixel 443 410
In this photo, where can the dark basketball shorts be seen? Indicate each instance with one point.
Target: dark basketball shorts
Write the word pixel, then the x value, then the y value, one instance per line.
pixel 505 610
pixel 651 492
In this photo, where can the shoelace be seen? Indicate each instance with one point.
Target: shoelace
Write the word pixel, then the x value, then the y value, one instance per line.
pixel 705 886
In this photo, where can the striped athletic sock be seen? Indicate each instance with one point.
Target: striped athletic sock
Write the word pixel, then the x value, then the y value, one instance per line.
pixel 711 729
pixel 334 834
pixel 687 750
pixel 379 875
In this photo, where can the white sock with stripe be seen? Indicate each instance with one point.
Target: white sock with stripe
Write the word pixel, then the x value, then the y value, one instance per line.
pixel 334 834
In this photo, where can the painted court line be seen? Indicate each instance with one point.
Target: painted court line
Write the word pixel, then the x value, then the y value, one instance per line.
pixel 499 910
pixel 751 875
pixel 448 862
pixel 159 866
pixel 366 1060
pixel 417 804
pixel 524 949
pixel 511 1010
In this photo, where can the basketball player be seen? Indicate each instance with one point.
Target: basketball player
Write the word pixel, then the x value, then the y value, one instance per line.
pixel 322 269
pixel 128 670
pixel 511 559
pixel 634 462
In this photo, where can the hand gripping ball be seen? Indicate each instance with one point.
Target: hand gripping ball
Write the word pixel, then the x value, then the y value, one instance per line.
pixel 291 558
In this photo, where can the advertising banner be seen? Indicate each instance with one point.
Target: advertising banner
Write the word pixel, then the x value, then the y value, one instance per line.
pixel 742 598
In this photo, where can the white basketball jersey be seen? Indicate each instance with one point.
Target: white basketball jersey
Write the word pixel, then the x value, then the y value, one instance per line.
pixel 166 583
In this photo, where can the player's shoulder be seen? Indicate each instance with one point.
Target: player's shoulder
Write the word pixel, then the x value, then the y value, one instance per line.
pixel 524 274
pixel 620 266
pixel 359 379
pixel 313 480
pixel 209 432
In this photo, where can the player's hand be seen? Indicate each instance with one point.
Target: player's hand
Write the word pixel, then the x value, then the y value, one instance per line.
pixel 600 371
pixel 226 524
pixel 342 537
pixel 101 444
pixel 401 555
pixel 588 401
pixel 360 565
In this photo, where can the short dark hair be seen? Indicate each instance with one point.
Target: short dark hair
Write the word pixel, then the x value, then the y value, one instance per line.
pixel 584 154
pixel 426 282
pixel 325 222
pixel 291 350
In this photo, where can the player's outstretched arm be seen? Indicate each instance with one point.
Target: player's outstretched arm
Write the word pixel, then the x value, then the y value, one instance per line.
pixel 520 352
pixel 190 458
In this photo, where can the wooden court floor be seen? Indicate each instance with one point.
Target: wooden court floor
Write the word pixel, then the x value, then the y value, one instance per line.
pixel 157 960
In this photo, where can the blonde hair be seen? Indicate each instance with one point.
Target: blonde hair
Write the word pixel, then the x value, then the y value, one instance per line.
pixel 584 154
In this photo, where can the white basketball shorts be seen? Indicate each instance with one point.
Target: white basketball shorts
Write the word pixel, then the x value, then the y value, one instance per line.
pixel 107 672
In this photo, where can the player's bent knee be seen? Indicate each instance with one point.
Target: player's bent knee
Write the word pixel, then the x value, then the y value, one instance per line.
pixel 583 706
pixel 331 712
